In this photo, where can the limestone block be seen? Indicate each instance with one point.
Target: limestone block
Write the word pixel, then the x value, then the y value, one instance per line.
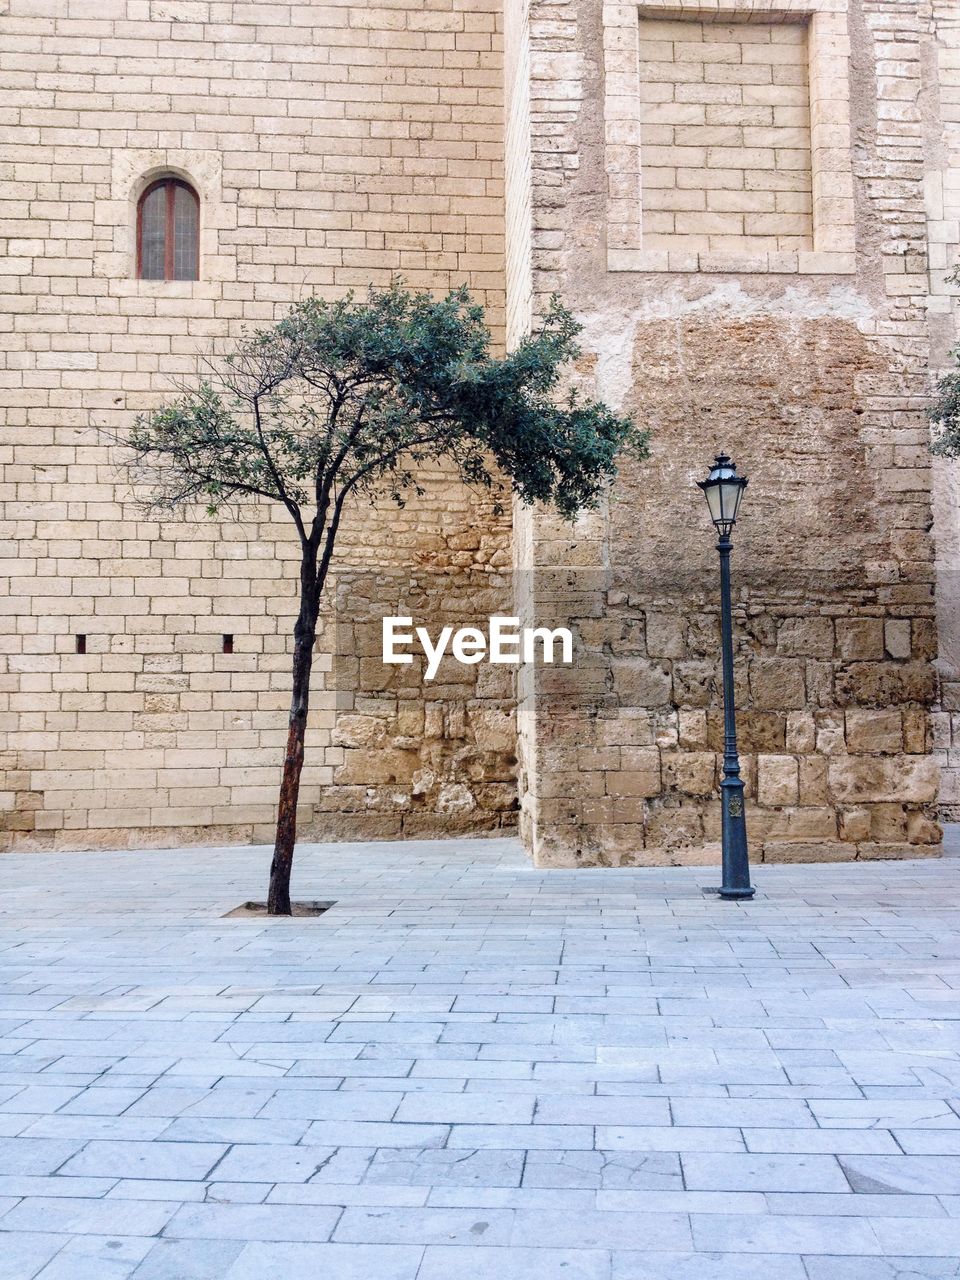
pixel 777 780
pixel 886 683
pixel 854 824
pixel 800 732
pixel 804 851
pixel 868 730
pixel 690 772
pixel 693 683
pixel 493 727
pixel 639 682
pixel 831 735
pixel 860 638
pixel 922 829
pixel 386 765
pixel 777 683
pixel 810 637
pixel 359 731
pixel 665 635
pixel 868 851
pixel 455 798
pixel 904 779
pixel 692 729
pixel 673 826
pixel 814 784
pixel 896 637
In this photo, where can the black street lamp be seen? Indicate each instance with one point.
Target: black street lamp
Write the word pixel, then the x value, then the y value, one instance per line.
pixel 723 490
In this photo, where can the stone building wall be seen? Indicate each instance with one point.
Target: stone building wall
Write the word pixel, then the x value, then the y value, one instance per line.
pixel 331 145
pixel 808 363
pixel 751 205
pixel 943 220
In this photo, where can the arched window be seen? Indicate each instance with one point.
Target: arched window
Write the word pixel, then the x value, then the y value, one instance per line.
pixel 168 231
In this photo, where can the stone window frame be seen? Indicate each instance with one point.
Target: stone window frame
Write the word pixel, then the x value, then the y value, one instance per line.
pixel 833 214
pixel 131 173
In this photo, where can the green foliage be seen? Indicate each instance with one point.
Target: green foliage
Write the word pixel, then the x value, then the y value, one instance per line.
pixel 352 397
pixel 945 412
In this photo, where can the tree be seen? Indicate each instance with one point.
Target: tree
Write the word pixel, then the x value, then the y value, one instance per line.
pixel 344 400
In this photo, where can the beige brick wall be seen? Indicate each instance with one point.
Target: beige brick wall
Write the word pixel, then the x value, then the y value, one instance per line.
pixel 725 136
pixel 333 145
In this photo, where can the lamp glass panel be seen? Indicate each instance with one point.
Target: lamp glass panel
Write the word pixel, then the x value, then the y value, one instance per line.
pixel 729 500
pixel 713 502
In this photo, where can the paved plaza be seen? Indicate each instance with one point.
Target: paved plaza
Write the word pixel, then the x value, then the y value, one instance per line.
pixel 470 1069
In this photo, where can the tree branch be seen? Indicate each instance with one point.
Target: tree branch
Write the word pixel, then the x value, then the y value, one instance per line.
pixel 281 488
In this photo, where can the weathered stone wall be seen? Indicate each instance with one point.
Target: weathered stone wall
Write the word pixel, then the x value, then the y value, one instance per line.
pixel 332 145
pixel 811 369
pixel 942 115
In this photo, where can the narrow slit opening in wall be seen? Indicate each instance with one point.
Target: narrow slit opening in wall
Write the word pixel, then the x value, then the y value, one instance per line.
pixel 81 643
pixel 228 644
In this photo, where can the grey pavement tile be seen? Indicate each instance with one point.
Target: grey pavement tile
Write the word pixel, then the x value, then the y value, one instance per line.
pixel 272 1163
pixel 681 1201
pixel 424 1226
pixel 338 1261
pixel 361 1133
pixel 24 1253
pixel 678 1138
pixel 599 1170
pixel 919 1237
pixel 341 1193
pixel 449 1167
pixel 831 1141
pixel 737 1112
pixel 470 1263
pixel 569 1200
pixel 23 1184
pixel 861 1205
pixel 150 1189
pixel 86 1128
pixel 919 1175
pixel 189 1160
pixel 318 1104
pixel 207 1129
pixel 188 1260
pixel 899 1267
pixel 101 1101
pixel 108 1257
pixel 700 1266
pixel 467 1108
pixel 870 1114
pixel 530 1137
pixel 929 1142
pixel 608 1229
pixel 35 1155
pixel 78 1216
pixel 601 1111
pixel 780 1233
pixel 252 1222
pixel 749 1172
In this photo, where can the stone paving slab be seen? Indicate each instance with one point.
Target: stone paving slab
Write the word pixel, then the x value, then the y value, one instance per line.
pixel 468 1068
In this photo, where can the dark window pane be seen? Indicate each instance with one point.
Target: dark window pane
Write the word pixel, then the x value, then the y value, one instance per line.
pixel 184 234
pixel 153 217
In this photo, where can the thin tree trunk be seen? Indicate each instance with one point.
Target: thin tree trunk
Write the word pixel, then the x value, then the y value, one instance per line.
pixel 278 897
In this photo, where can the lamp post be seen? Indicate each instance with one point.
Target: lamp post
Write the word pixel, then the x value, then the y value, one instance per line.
pixel 723 490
